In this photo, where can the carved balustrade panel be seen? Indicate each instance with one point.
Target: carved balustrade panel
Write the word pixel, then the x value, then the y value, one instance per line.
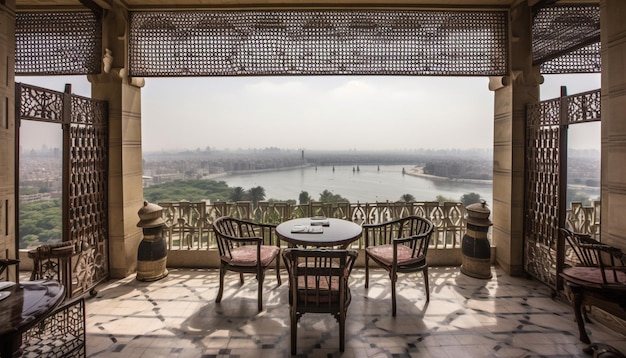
pixel 189 224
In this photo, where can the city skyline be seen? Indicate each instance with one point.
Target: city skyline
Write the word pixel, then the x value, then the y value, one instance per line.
pixel 316 113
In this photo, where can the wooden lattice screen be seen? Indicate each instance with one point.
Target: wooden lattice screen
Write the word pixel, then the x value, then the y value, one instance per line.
pixel 318 42
pixel 85 166
pixel 546 178
pixel 58 43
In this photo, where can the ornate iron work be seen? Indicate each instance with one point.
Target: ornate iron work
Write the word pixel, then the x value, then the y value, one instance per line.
pixel 57 43
pixel 566 38
pixel 85 125
pixel 543 168
pixel 318 42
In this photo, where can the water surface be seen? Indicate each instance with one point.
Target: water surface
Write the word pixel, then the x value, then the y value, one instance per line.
pixel 370 183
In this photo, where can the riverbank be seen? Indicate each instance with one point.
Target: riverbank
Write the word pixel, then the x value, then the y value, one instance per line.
pixel 253 171
pixel 418 171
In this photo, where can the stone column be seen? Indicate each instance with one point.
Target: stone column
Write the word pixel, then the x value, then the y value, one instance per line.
pixel 125 159
pixel 613 132
pixel 8 234
pixel 512 94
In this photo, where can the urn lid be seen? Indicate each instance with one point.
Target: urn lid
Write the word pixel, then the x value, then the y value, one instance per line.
pixel 478 214
pixel 150 215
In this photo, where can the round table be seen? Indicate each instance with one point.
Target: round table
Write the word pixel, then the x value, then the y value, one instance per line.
pixel 338 233
pixel 28 303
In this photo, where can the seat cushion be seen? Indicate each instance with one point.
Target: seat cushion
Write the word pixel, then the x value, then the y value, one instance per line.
pixel 594 275
pixel 384 254
pixel 245 255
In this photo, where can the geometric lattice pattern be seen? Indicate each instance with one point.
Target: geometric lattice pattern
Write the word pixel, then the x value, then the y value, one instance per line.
pixel 318 42
pixel 85 176
pixel 583 60
pixel 87 188
pixel 566 38
pixel 58 43
pixel 543 178
pixel 542 190
pixel 61 334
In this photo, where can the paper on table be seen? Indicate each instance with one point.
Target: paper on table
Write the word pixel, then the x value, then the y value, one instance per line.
pixel 320 221
pixel 307 229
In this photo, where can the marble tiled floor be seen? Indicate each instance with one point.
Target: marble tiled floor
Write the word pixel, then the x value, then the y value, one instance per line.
pixel 466 317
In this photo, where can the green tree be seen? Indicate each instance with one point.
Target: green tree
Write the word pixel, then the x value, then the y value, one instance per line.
pixel 470 198
pixel 304 197
pixel 238 194
pixel 256 194
pixel 191 190
pixel 328 197
pixel 441 199
pixel 407 198
pixel 40 223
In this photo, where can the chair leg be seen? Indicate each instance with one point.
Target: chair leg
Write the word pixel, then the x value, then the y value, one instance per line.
pixel 367 271
pixel 578 307
pixel 221 289
pixel 280 282
pixel 426 284
pixel 260 278
pixel 393 277
pixel 342 331
pixel 294 332
pixel 241 278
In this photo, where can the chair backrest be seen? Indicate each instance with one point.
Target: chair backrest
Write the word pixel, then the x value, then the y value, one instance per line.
pixel 231 232
pixel 318 279
pixel 579 249
pixel 592 253
pixel 47 260
pixel 409 226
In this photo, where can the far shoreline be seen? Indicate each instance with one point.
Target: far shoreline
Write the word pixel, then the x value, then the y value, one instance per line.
pixel 418 171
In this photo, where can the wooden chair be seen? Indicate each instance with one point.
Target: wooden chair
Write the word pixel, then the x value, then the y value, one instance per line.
pixel 318 283
pixel 246 247
pixel 599 279
pixel 398 245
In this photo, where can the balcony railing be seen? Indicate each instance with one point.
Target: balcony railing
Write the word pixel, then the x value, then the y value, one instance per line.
pixel 584 219
pixel 189 223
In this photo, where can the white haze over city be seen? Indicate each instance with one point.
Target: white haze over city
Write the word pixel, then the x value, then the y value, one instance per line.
pixel 315 113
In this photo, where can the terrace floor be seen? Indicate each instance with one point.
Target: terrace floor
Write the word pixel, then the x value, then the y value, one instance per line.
pixel 466 317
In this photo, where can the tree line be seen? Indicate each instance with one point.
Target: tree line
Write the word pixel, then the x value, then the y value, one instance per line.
pixel 40 222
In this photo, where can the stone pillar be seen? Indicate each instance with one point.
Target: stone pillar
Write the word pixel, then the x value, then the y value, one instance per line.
pixel 512 94
pixel 125 158
pixel 613 132
pixel 8 234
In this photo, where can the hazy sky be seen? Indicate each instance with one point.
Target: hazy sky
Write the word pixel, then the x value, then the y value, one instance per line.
pixel 316 113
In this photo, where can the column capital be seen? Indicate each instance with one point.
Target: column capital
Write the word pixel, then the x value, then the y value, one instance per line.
pixel 110 74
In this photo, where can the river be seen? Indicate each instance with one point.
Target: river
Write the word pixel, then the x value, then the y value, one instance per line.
pixel 370 183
